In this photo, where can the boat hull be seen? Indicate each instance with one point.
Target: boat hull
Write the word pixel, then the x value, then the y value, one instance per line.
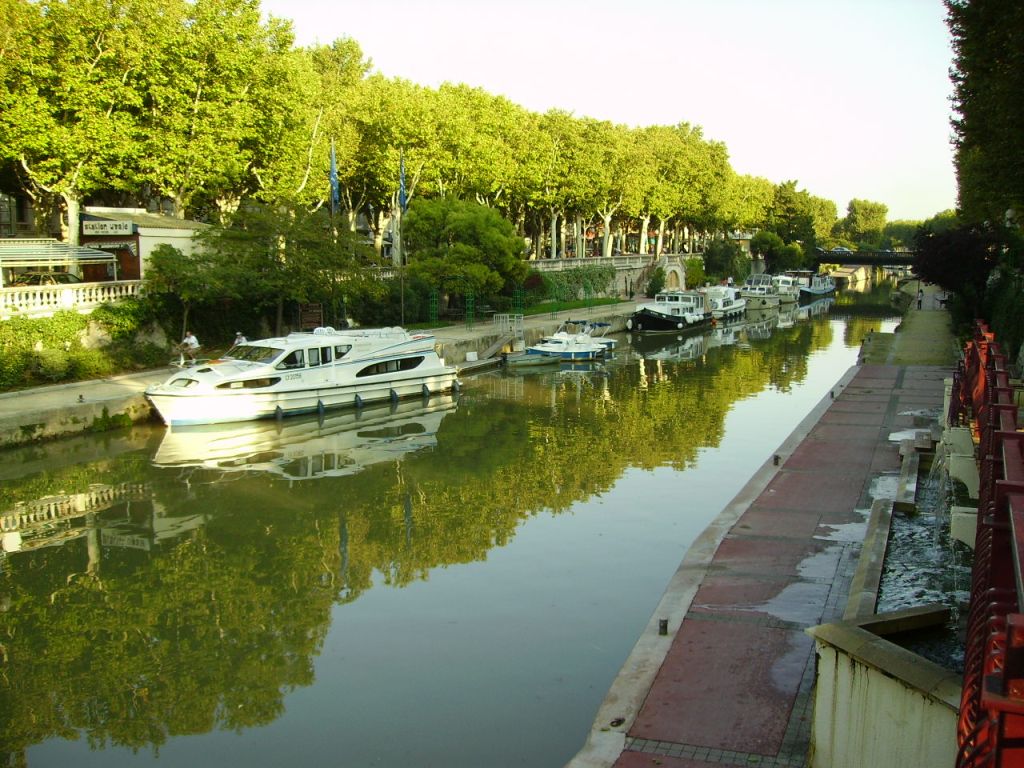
pixel 178 408
pixel 647 321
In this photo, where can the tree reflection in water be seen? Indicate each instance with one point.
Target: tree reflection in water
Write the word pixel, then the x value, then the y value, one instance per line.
pixel 192 587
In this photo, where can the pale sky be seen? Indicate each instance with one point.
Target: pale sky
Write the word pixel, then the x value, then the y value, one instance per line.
pixel 848 97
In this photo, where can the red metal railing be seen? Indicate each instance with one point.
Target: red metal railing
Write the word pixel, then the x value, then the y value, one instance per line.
pixel 991 727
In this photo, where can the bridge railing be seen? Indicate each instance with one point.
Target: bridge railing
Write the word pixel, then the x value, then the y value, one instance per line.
pixel 991 727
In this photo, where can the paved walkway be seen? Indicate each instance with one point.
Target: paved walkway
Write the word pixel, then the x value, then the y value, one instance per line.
pixel 731 680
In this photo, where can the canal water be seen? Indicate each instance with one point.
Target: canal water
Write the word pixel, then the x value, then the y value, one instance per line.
pixel 452 582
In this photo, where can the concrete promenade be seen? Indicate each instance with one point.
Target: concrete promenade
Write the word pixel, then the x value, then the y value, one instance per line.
pixel 729 678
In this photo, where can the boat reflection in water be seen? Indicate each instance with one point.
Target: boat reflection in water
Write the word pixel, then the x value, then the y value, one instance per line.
pixel 302 448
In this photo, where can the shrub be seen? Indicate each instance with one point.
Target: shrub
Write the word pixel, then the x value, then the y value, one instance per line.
pixel 51 364
pixel 657 281
pixel 89 364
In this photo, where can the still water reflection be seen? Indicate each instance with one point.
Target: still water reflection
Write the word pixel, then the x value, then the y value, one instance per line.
pixel 450 583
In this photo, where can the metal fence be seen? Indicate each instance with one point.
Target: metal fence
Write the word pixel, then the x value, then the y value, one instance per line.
pixel 991 727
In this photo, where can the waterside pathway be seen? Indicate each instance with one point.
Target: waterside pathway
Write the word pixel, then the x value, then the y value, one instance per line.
pixel 731 680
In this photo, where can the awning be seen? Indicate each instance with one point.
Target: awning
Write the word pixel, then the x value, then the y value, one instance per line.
pixel 47 253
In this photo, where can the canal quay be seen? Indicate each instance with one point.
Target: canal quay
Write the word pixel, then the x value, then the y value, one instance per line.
pixel 462 581
pixel 725 671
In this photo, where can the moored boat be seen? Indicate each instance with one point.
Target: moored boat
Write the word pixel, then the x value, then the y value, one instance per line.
pixel 572 328
pixel 572 341
pixel 820 285
pixel 725 301
pixel 759 292
pixel 671 312
pixel 787 287
pixel 304 373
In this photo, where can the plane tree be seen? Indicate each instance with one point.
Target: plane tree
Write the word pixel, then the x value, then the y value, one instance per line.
pixel 460 246
pixel 71 98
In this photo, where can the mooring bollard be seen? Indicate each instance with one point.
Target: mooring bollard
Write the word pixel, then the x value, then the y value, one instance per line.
pixel 662 626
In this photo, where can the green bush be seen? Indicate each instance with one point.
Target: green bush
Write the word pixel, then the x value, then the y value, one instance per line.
pixel 656 282
pixel 52 365
pixel 89 364
pixel 124 319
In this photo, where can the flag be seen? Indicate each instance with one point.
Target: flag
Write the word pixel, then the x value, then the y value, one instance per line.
pixel 335 197
pixel 402 200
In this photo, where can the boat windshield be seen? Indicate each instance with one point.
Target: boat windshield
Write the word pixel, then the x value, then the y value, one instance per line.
pixel 253 354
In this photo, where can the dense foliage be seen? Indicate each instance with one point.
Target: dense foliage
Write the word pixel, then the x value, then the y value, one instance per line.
pixel 986 235
pixel 199 105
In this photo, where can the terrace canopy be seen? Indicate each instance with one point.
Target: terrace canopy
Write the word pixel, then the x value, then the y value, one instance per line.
pixel 17 254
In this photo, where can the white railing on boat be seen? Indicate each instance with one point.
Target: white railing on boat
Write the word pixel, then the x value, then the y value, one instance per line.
pixel 45 300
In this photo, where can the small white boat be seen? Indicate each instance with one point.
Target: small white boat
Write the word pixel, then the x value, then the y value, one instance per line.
pixel 574 340
pixel 304 373
pixel 571 328
pixel 787 287
pixel 725 301
pixel 671 312
pixel 759 292
pixel 820 285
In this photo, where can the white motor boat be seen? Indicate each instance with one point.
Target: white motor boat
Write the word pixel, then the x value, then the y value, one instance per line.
pixel 760 293
pixel 820 285
pixel 573 328
pixel 304 373
pixel 787 287
pixel 725 301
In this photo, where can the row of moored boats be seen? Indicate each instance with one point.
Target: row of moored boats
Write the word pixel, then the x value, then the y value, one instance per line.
pixel 328 368
pixel 676 311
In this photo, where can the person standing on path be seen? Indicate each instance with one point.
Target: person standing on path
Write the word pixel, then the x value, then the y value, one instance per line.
pixel 920 297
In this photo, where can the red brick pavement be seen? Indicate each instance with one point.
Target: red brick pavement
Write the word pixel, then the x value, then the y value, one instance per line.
pixel 736 683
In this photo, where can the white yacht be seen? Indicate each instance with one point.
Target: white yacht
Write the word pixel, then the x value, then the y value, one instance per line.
pixel 725 301
pixel 787 287
pixel 304 373
pixel 760 293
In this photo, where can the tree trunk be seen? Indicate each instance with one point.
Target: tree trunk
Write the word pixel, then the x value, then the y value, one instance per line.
pixel 554 235
pixel 72 205
pixel 661 238
pixel 644 223
pixel 606 249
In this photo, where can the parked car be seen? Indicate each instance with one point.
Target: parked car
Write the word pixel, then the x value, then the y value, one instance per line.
pixel 46 278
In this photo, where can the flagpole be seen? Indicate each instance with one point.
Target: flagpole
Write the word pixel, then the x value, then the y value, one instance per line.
pixel 398 231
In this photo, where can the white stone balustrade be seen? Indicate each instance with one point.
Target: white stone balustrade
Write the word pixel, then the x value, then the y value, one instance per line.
pixel 45 300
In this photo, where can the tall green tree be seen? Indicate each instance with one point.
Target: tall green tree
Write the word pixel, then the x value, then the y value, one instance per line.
pixel 458 246
pixel 210 82
pixel 865 222
pixel 71 96
pixel 269 255
pixel 988 69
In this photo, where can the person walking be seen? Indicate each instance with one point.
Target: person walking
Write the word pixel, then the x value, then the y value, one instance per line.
pixel 920 297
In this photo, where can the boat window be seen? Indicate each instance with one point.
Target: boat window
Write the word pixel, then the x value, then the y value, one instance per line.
pixel 250 383
pixel 183 383
pixel 254 354
pixel 314 356
pixel 340 350
pixel 391 366
pixel 294 359
pixel 325 355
